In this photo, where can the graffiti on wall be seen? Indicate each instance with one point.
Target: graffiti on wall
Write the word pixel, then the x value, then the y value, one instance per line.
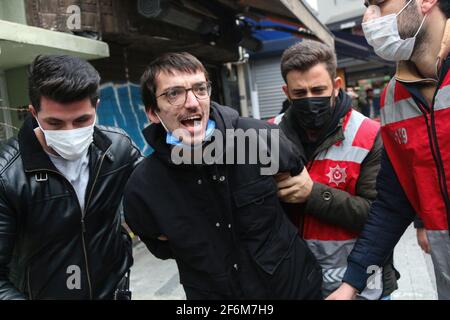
pixel 121 106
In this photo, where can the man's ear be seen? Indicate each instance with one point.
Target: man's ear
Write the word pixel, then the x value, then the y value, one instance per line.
pixel 428 5
pixel 151 115
pixel 32 110
pixel 286 91
pixel 337 85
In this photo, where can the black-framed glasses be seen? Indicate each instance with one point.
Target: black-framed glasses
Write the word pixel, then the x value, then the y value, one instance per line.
pixel 177 96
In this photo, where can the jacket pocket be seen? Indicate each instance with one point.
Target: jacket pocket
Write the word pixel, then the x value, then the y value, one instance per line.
pixel 261 223
pixel 255 210
pixel 255 192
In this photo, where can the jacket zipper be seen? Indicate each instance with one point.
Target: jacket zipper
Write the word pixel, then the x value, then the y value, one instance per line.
pixel 83 225
pixel 432 136
pixel 443 180
pixel 83 213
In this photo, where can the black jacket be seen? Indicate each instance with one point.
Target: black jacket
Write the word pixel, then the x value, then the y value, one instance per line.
pixel 226 228
pixel 46 241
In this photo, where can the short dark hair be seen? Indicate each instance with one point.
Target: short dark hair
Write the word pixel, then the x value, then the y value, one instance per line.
pixel 168 62
pixel 63 79
pixel 444 5
pixel 306 54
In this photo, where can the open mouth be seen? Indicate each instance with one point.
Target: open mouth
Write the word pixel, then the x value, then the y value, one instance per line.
pixel 192 121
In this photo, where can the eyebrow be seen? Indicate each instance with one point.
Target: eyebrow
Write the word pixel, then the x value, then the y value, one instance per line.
pixel 83 117
pixel 319 88
pixel 299 90
pixel 372 2
pixel 176 87
pixel 53 120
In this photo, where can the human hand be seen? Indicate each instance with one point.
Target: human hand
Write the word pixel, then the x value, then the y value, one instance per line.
pixel 344 292
pixel 294 189
pixel 422 240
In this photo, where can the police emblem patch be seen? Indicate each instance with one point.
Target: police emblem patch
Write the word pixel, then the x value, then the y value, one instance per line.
pixel 337 175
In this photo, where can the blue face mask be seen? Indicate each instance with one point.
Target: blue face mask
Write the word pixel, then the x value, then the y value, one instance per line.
pixel 210 127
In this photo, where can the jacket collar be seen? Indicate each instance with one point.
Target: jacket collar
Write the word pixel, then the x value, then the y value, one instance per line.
pixel 407 71
pixel 334 138
pixel 335 131
pixel 33 155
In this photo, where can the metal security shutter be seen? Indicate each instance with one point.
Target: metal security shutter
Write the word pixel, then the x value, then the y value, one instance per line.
pixel 267 76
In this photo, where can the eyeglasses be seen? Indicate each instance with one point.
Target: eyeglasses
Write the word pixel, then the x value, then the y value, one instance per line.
pixel 177 96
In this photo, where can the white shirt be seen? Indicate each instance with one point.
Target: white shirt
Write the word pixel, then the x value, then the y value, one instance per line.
pixel 76 171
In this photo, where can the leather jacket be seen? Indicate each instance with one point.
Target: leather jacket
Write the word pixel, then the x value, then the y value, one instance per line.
pixel 49 247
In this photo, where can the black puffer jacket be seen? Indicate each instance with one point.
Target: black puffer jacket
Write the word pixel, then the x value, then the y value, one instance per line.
pixel 225 225
pixel 48 247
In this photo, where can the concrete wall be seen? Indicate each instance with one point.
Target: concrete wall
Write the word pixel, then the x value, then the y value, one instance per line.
pixel 14 89
pixel 331 8
pixel 17 90
pixel 13 11
pixel 16 81
pixel 5 118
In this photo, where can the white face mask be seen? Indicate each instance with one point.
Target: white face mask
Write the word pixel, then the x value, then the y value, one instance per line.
pixel 382 34
pixel 70 144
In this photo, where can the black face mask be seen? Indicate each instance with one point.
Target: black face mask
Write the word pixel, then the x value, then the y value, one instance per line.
pixel 312 113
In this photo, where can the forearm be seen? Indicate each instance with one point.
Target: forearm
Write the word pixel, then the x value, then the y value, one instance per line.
pixel 7 243
pixel 389 216
pixel 159 248
pixel 291 157
pixel 375 243
pixel 337 207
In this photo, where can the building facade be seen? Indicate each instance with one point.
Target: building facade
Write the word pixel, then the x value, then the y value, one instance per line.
pixel 121 37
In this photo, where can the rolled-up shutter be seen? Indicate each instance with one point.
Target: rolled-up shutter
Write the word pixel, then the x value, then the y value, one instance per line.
pixel 267 76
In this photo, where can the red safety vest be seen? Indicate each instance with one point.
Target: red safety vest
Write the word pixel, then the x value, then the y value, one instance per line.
pixel 339 167
pixel 418 144
pixel 417 141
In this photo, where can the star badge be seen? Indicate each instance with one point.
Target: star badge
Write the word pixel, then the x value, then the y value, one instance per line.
pixel 337 175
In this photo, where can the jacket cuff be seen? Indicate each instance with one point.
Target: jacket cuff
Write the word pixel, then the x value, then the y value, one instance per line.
pixel 356 276
pixel 320 193
pixel 418 223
